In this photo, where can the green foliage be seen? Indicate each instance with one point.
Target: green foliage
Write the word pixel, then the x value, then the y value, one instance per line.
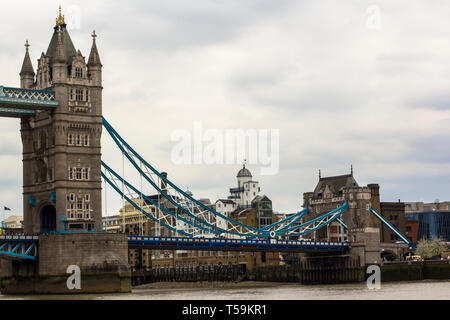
pixel 428 249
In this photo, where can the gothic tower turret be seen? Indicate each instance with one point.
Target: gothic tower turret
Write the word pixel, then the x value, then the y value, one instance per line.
pixel 94 64
pixel 27 72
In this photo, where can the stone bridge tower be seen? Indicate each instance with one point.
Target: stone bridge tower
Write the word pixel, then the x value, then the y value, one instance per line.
pixel 61 147
pixel 363 228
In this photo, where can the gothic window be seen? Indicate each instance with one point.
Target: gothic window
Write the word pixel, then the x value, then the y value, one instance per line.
pixel 78 173
pixel 78 72
pixel 86 95
pixel 85 173
pixel 86 140
pixel 79 204
pixel 71 174
pixel 71 94
pixel 70 139
pixel 78 142
pixel 79 95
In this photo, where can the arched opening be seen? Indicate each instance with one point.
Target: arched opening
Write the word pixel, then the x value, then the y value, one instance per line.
pixel 388 255
pixel 48 219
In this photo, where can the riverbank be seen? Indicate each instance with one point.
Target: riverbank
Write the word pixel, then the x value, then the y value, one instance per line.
pixel 209 285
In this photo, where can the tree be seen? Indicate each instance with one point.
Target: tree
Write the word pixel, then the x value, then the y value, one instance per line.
pixel 428 249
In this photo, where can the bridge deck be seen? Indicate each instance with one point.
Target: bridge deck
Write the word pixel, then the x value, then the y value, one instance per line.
pixel 177 243
pixel 19 247
pixel 16 102
pixel 25 247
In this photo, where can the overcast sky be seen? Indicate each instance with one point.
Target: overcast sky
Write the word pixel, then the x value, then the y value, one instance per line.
pixel 346 82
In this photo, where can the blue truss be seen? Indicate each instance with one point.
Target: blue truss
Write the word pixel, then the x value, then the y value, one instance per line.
pixel 120 142
pixel 311 225
pixel 390 226
pixel 19 247
pixel 286 230
pixel 17 102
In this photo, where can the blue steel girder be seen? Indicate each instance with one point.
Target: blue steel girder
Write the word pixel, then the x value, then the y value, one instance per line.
pixel 223 244
pixel 19 247
pixel 285 230
pixel 16 102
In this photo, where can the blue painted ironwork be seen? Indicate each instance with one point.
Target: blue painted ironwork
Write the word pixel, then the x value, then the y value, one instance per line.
pixel 311 225
pixel 155 203
pixel 234 244
pixel 293 217
pixel 27 98
pixel 16 112
pixel 342 223
pixel 390 226
pixel 32 201
pixel 127 151
pixel 116 137
pixel 141 209
pixel 19 247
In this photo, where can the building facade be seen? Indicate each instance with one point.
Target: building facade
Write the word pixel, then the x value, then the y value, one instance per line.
pixel 394 212
pixel 13 225
pixel 433 219
pixel 331 193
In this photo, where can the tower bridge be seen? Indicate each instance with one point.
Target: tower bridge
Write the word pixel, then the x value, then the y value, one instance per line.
pixel 61 117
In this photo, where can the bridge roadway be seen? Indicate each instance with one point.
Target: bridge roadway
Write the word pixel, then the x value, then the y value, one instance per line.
pixel 26 247
pixel 222 244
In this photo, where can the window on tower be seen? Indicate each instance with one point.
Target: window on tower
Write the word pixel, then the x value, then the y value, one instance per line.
pixel 79 95
pixel 78 173
pixel 78 72
pixel 86 140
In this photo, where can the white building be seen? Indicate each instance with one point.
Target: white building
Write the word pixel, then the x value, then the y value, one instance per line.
pixel 239 198
pixel 246 191
pixel 14 222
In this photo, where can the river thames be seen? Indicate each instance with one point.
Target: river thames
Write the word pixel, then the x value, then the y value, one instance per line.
pixel 421 290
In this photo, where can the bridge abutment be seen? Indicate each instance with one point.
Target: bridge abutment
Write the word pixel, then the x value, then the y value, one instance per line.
pixel 365 245
pixel 102 259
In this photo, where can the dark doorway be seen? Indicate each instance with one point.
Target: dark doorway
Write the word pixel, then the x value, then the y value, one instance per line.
pixel 48 219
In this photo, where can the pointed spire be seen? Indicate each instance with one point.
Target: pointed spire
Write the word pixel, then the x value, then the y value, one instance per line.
pixel 320 175
pixel 351 169
pixel 94 57
pixel 60 20
pixel 60 55
pixel 27 66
